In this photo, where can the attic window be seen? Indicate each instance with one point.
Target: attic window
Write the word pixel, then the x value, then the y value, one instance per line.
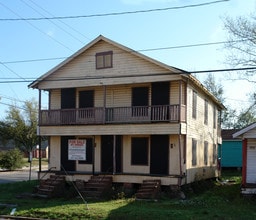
pixel 104 60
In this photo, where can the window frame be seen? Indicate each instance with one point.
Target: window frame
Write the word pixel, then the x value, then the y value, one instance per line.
pixel 105 64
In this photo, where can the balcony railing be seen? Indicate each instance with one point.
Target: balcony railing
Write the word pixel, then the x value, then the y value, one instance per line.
pixel 116 115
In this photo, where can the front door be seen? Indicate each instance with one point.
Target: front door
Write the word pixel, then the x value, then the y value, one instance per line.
pixel 159 154
pixel 108 164
pixel 66 164
pixel 160 100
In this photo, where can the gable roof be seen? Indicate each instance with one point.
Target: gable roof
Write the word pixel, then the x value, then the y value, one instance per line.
pixel 35 83
pixel 173 70
pixel 244 130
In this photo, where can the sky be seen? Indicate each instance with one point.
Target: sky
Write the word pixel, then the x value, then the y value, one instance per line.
pixel 30 48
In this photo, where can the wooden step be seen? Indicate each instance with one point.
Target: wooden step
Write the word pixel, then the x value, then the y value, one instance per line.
pixel 149 189
pixel 96 186
pixel 51 187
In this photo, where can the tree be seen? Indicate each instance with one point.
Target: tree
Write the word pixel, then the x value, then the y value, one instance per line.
pixel 241 40
pixel 21 125
pixel 242 53
pixel 215 88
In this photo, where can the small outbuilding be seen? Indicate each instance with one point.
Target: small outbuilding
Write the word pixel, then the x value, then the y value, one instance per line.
pixel 248 136
pixel 230 150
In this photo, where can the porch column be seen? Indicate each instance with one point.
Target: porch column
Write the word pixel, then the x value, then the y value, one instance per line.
pixel 114 154
pixel 244 162
pixel 180 160
pixel 180 99
pixel 104 103
pixel 39 135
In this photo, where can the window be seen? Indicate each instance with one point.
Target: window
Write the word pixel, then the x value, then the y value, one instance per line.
pixel 194 104
pixel 214 156
pixel 205 153
pixel 86 104
pixel 104 60
pixel 205 111
pixel 194 152
pixel 140 151
pixel 214 117
pixel 140 101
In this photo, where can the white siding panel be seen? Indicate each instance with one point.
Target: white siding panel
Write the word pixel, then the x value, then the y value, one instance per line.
pixel 54 159
pixel 131 129
pixel 251 162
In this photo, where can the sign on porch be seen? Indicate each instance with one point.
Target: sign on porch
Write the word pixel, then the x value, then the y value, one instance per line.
pixel 76 149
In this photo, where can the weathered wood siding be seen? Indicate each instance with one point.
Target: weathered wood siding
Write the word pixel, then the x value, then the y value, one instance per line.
pixel 55 98
pixel 84 69
pixel 54 157
pixel 157 128
pixel 201 132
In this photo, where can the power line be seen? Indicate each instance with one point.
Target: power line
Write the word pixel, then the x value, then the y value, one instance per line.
pixel 114 13
pixel 67 25
pixel 15 80
pixel 53 22
pixel 140 50
pixel 35 27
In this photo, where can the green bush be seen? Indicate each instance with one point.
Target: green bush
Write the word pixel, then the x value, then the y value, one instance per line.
pixel 11 159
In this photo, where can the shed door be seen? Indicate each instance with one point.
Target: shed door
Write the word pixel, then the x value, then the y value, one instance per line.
pixel 251 165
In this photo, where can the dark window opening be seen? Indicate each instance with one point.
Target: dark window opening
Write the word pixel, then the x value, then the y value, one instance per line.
pixel 205 153
pixel 194 152
pixel 139 151
pixel 86 104
pixel 140 101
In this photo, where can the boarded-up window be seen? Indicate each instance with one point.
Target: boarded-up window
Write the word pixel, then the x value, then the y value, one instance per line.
pixel 194 104
pixel 194 152
pixel 205 111
pixel 214 117
pixel 139 151
pixel 104 60
pixel 205 153
pixel 214 156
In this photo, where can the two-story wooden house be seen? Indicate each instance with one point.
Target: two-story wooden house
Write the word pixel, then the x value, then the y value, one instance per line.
pixel 117 112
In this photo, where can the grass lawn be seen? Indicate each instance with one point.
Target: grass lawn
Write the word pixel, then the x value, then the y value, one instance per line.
pixel 204 200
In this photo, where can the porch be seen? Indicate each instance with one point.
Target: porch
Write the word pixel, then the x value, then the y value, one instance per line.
pixel 114 115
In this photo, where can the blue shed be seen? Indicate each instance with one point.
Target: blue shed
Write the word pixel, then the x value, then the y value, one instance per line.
pixel 231 149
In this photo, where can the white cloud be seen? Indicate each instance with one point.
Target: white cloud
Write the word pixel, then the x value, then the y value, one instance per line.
pixel 50 33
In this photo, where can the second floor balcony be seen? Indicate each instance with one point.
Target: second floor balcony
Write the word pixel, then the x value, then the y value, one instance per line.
pixel 113 115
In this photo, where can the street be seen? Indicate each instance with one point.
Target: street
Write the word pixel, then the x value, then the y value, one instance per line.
pixel 18 175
